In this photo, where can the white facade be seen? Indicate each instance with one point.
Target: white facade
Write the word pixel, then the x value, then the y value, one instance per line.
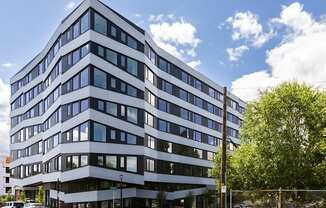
pixel 41 157
pixel 5 186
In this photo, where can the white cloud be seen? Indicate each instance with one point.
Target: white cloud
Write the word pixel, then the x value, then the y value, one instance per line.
pixel 8 65
pixel 70 5
pixel 246 27
pixel 176 36
pixel 236 53
pixel 4 118
pixel 300 56
pixel 194 64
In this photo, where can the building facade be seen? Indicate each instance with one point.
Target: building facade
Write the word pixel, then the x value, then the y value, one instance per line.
pixel 103 108
pixel 5 187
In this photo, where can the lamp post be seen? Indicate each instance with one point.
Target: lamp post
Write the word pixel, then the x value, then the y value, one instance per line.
pixel 121 200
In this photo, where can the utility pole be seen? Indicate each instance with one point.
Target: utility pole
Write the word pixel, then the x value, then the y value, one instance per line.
pixel 223 153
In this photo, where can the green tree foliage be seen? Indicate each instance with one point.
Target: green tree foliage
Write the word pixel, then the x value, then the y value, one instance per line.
pixel 39 198
pixel 283 141
pixel 22 196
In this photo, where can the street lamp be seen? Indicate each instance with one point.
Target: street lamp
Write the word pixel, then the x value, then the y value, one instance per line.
pixel 121 200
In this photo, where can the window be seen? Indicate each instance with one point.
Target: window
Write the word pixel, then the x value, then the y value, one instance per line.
pixel 123 37
pixel 84 22
pixel 184 113
pixel 131 139
pixel 184 77
pixel 122 136
pixel 131 91
pixel 183 95
pixel 132 66
pixel 164 65
pixel 99 78
pixel 75 56
pixel 76 30
pixel 113 134
pixel 100 51
pixel 149 119
pixel 111 161
pixel 84 105
pixel 100 24
pixel 112 57
pixel 100 105
pixel 83 160
pixel 151 142
pixel 75 161
pixel 112 108
pixel 150 165
pixel 84 132
pixel 100 160
pixel 197 136
pixel 132 43
pixel 211 140
pixel 162 105
pixel 99 132
pixel 122 111
pixel 75 135
pixel 84 50
pixel 113 31
pixel 113 83
pixel 132 114
pixel 122 162
pixel 163 126
pixel 167 87
pixel 75 108
pixel 123 87
pixel 210 156
pixel 199 102
pixel 132 164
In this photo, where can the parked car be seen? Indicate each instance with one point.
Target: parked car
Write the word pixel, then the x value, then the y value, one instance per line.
pixel 14 204
pixel 33 205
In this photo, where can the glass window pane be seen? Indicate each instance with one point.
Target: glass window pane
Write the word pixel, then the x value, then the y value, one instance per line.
pixel 111 161
pixel 100 24
pixel 132 66
pixel 132 42
pixel 132 114
pixel 84 50
pixel 112 108
pixel 84 132
pixel 131 139
pixel 99 132
pixel 132 164
pixel 123 37
pixel 84 78
pixel 83 160
pixel 75 161
pixel 99 78
pixel 76 30
pixel 131 91
pixel 75 135
pixel 85 22
pixel 113 134
pixel 113 31
pixel 75 56
pixel 112 56
pixel 84 105
pixel 75 108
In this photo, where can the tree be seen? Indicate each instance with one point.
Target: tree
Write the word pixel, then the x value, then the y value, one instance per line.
pixel 39 198
pixel 22 196
pixel 283 141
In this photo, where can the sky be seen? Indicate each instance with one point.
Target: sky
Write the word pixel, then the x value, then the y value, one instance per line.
pixel 245 45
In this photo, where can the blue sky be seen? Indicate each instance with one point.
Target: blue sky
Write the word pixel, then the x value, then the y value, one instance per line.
pixel 245 45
